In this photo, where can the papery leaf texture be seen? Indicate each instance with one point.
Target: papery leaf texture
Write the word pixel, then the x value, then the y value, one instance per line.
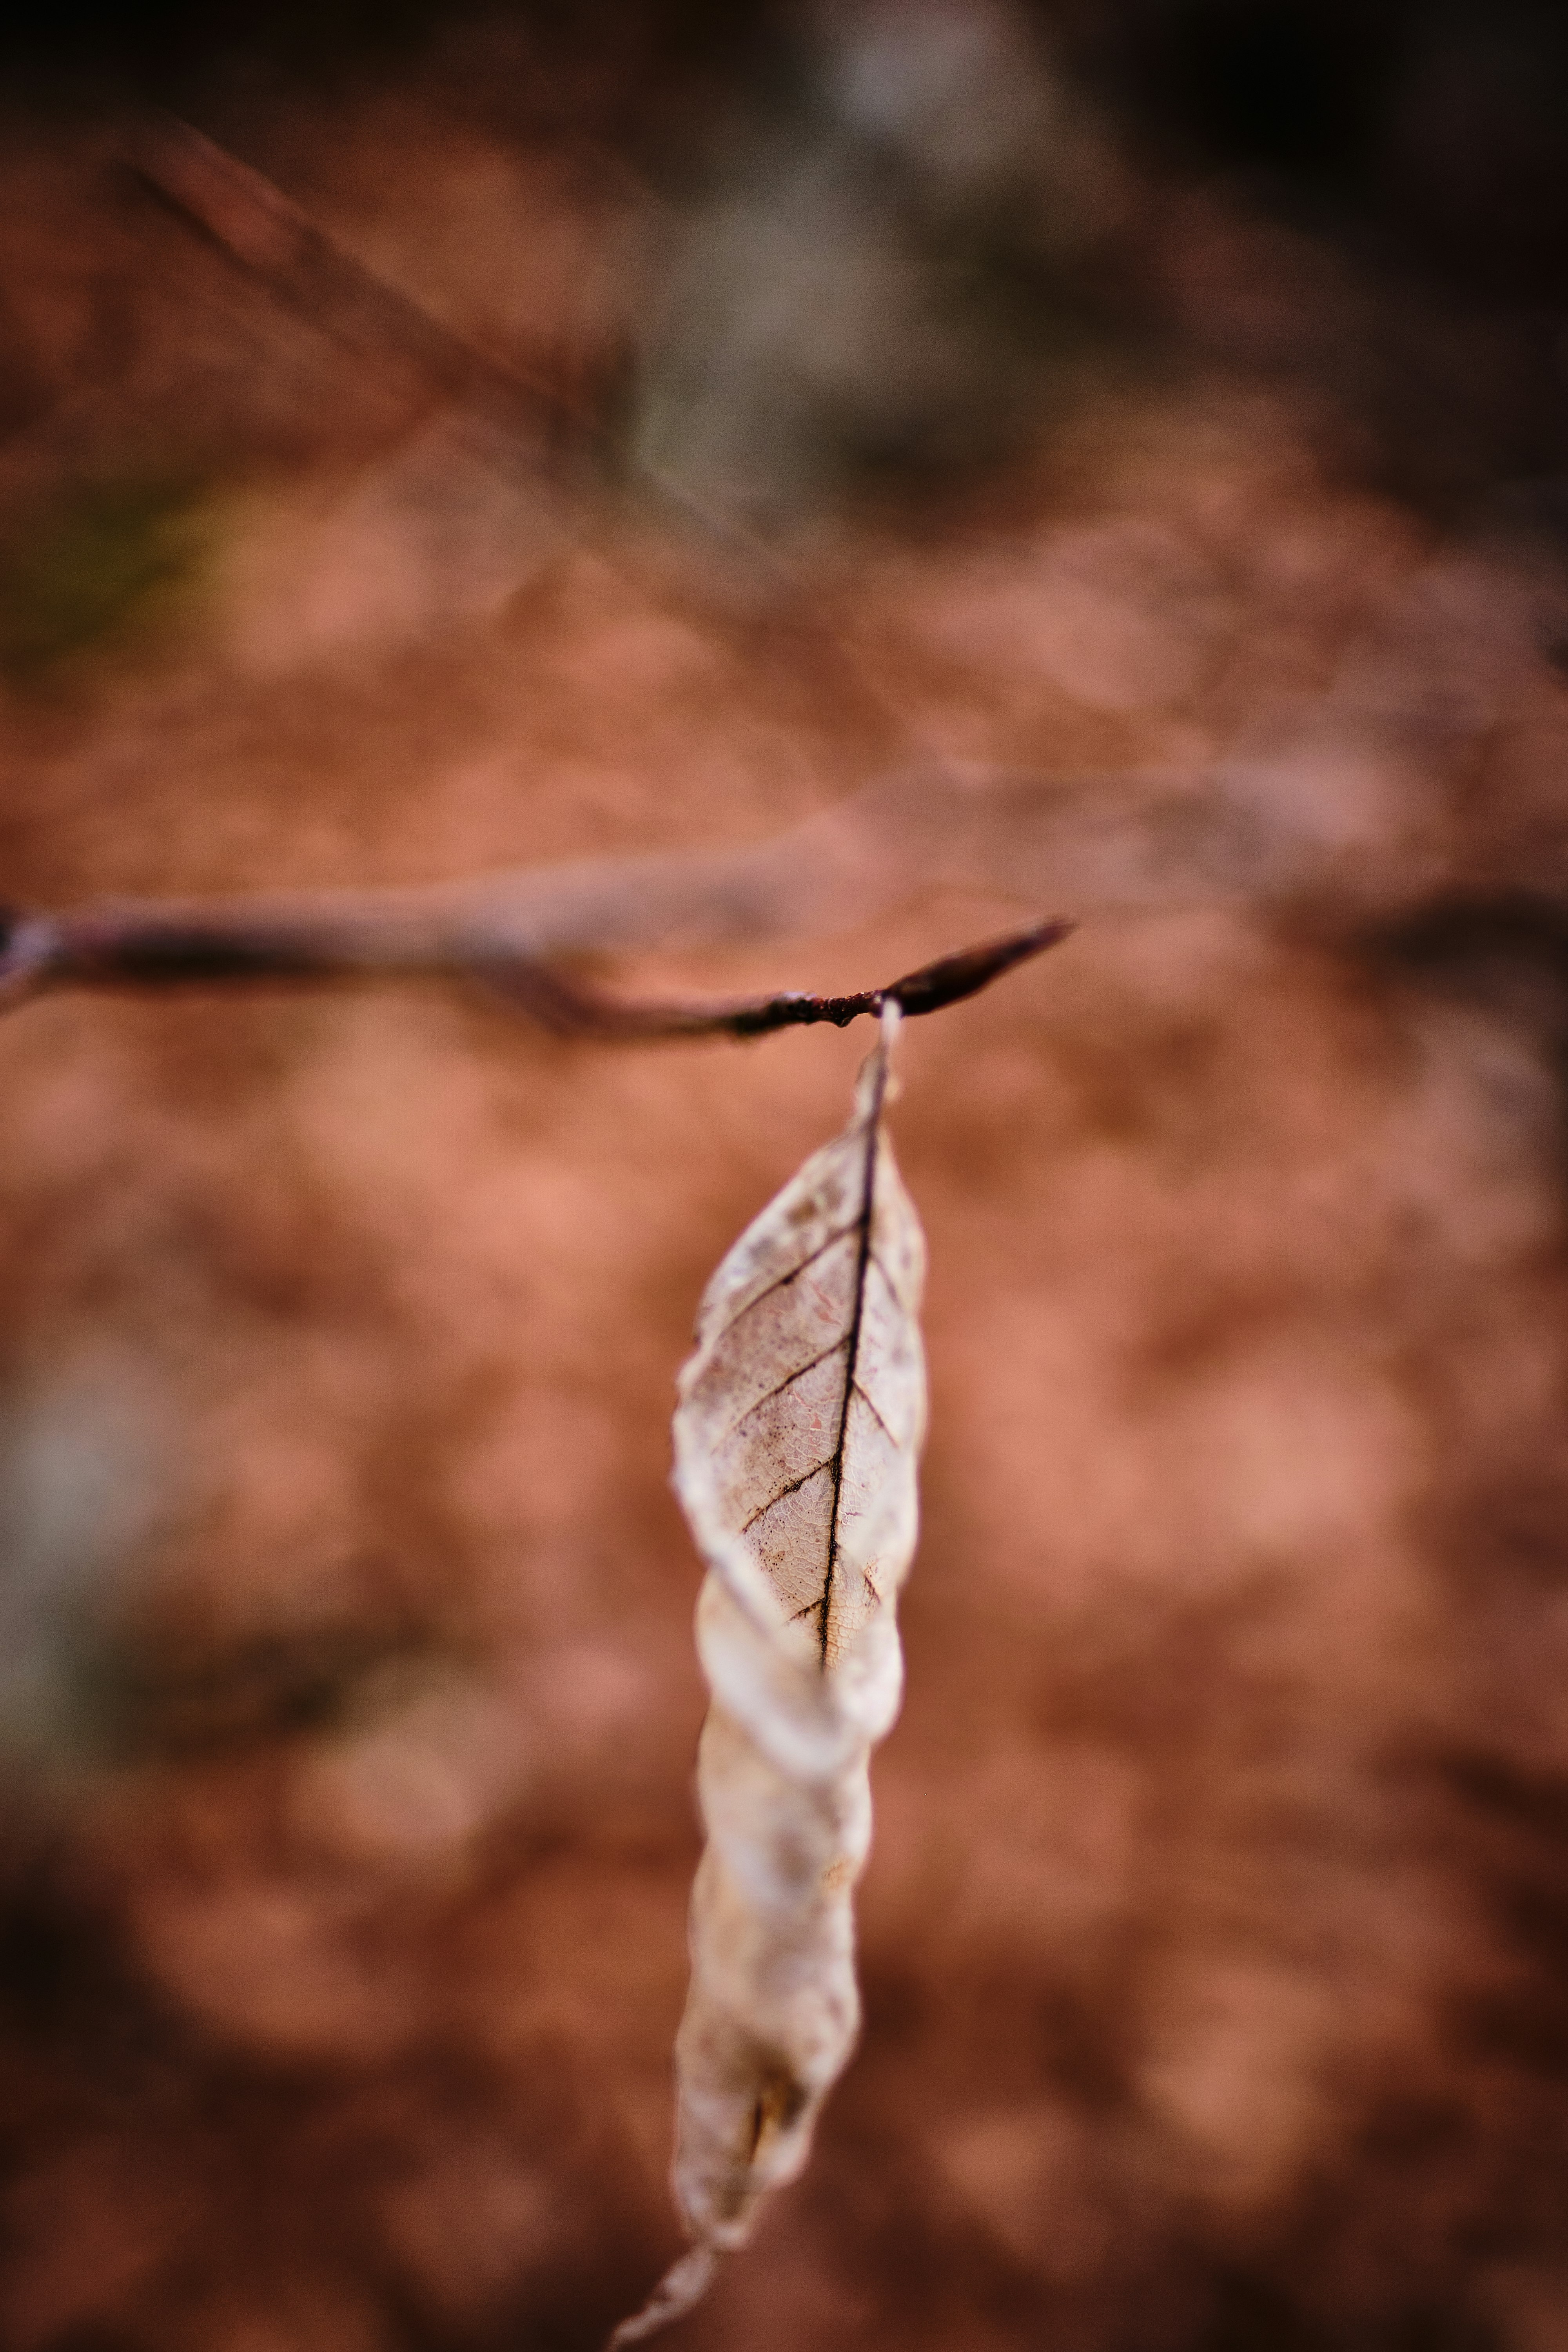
pixel 797 1436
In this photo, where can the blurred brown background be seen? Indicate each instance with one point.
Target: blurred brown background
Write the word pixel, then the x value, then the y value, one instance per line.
pixel 671 419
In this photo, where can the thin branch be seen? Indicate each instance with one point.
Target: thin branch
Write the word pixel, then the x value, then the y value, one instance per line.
pixel 149 947
pixel 570 1008
pixel 275 241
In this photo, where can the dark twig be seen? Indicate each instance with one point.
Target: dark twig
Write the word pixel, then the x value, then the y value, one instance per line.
pixel 133 947
pixel 569 1009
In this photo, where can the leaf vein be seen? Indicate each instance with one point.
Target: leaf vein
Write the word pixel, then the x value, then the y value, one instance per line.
pixel 788 1383
pixel 863 1253
pixel 783 1281
pixel 866 1399
pixel 763 1509
pixel 892 1285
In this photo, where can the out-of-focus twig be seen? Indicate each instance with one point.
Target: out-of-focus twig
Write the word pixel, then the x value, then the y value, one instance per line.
pixel 278 242
pixel 1137 840
pixel 571 1010
pixel 269 235
pixel 150 948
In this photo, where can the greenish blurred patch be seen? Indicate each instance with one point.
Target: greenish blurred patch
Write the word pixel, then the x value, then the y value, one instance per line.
pixel 81 1467
pixel 104 566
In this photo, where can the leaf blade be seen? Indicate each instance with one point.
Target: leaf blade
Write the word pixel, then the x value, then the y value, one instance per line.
pixel 797 1436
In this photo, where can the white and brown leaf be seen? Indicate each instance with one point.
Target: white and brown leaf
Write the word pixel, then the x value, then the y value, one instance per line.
pixel 802 1411
pixel 796 1440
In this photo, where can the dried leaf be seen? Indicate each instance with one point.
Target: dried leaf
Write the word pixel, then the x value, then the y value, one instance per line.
pixel 796 1437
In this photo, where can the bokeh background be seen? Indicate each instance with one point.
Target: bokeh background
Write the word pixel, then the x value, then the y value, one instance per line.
pixel 653 424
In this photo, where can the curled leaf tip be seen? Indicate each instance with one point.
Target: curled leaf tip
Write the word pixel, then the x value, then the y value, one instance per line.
pixel 680 2289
